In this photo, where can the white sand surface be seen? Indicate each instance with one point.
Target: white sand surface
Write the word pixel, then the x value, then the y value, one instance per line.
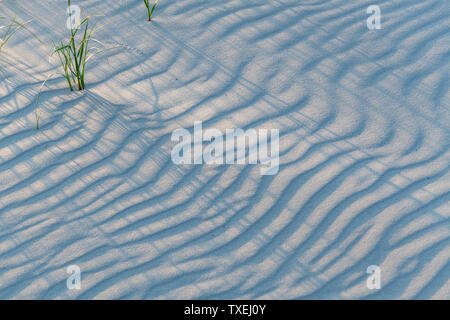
pixel 364 177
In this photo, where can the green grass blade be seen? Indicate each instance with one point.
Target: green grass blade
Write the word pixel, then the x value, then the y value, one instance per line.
pixel 153 8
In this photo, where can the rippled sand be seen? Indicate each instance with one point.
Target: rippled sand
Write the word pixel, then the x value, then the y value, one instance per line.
pixel 364 153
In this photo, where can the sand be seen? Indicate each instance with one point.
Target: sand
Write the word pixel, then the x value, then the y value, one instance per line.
pixel 363 119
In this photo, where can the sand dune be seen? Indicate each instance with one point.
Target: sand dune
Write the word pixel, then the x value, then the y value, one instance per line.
pixel 364 173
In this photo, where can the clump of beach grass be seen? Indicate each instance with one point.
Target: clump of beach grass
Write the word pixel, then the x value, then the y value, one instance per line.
pixel 74 54
pixel 150 11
